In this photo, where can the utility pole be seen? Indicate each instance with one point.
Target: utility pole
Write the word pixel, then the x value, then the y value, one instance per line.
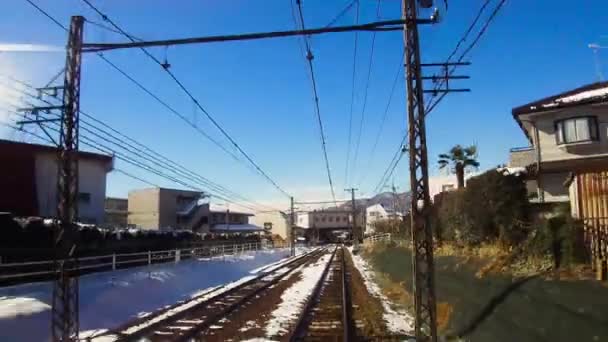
pixel 292 234
pixel 354 229
pixel 422 241
pixel 64 319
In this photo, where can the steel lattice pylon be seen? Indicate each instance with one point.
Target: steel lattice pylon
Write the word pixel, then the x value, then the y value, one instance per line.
pixel 64 319
pixel 422 241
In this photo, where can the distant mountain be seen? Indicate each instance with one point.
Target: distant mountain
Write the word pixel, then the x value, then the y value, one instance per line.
pixel 386 199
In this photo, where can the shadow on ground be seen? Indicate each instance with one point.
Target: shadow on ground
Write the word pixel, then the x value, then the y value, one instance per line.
pixel 500 308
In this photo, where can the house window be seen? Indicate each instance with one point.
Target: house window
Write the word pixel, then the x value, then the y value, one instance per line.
pixel 331 219
pixel 84 197
pixel 578 129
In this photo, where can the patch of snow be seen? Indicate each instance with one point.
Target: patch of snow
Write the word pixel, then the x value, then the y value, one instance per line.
pixel 258 339
pixel 187 305
pixel 12 307
pixel 109 299
pixel 249 325
pixel 397 321
pixel 585 95
pixel 294 298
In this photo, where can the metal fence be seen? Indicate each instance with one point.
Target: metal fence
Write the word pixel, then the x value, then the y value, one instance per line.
pixel 377 238
pixel 11 273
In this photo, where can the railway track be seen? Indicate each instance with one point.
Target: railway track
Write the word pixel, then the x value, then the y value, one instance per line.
pixel 327 315
pixel 186 320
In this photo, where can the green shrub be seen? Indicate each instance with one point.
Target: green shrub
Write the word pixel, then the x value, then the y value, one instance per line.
pixel 490 208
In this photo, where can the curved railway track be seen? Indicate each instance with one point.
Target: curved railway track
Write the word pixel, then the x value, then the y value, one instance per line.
pixel 327 315
pixel 184 321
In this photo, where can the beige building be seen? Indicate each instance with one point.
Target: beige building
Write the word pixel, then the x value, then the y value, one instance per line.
pixel 161 208
pixel 274 222
pixel 568 134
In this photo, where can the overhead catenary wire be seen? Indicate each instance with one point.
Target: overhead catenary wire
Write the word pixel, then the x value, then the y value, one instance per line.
pixel 309 58
pixel 191 96
pixel 384 116
pixel 343 12
pixel 147 91
pixel 352 100
pixel 365 93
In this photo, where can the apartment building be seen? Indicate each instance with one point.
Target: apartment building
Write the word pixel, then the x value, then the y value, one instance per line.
pixel 162 208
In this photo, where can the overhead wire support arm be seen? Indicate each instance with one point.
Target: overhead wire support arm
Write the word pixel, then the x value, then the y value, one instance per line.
pixel 386 25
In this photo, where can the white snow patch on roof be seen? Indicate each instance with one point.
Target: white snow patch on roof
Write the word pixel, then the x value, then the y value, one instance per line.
pixel 397 321
pixel 294 298
pixel 585 95
pixel 11 307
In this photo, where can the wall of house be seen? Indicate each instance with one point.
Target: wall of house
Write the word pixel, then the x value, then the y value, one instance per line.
pixel 91 184
pixel 374 213
pixel 550 151
pixel 144 207
pixel 280 224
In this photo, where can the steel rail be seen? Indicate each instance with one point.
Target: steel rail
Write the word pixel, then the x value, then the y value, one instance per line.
pixel 149 329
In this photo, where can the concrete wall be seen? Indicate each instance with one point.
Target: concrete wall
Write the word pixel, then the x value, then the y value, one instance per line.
pixel 551 151
pixel 92 181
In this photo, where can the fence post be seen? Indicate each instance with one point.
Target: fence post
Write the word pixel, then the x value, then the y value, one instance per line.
pixel 177 255
pixel 114 262
pixel 149 258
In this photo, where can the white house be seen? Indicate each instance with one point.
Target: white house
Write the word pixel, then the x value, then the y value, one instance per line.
pixel 378 212
pixel 28 179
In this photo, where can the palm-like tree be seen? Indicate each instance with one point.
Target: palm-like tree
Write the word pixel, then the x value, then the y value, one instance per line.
pixel 459 159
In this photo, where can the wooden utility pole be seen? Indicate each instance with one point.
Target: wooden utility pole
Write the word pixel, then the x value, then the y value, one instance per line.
pixel 64 318
pixel 354 229
pixel 422 237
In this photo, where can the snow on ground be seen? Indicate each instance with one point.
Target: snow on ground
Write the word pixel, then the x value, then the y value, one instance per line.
pixel 294 298
pixel 397 320
pixel 108 299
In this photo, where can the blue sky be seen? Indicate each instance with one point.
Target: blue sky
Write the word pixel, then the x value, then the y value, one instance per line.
pixel 260 93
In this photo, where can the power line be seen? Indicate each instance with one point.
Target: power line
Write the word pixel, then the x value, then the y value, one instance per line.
pixel 309 58
pixel 146 153
pixel 190 95
pixel 430 105
pixel 343 12
pixel 369 74
pixel 146 90
pixel 102 147
pixel 352 101
pixel 384 116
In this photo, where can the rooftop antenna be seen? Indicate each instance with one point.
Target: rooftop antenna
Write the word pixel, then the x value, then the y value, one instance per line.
pixel 598 63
